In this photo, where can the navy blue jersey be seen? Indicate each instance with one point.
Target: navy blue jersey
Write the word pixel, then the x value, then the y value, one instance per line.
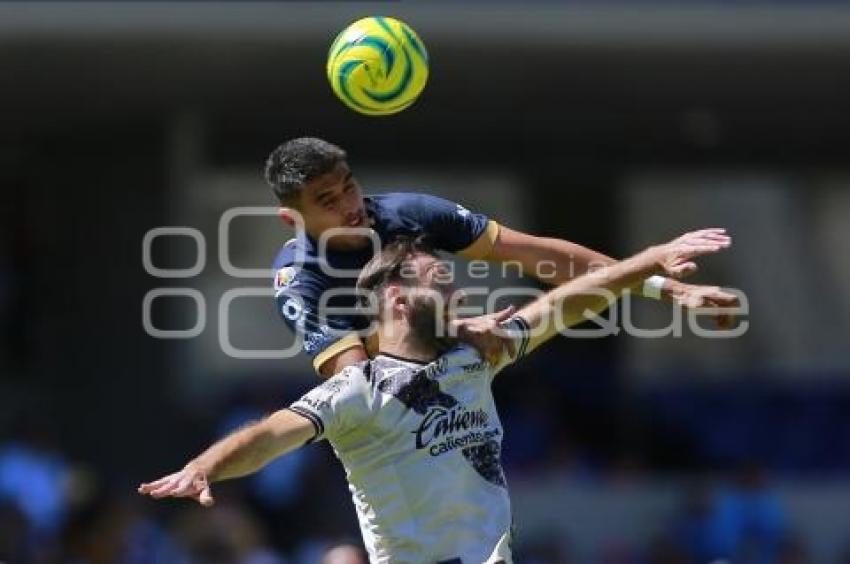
pixel 302 278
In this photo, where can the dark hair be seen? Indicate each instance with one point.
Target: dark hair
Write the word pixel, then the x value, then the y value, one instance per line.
pixel 298 161
pixel 387 266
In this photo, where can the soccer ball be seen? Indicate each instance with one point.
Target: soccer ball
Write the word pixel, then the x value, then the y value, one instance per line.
pixel 377 66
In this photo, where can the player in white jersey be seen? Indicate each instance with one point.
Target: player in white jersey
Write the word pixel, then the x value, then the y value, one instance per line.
pixel 416 427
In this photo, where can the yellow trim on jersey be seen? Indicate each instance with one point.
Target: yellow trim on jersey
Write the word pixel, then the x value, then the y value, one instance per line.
pixel 348 342
pixel 483 245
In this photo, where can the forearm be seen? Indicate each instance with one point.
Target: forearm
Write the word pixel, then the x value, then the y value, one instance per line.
pixel 555 261
pixel 249 449
pixel 552 261
pixel 596 290
pixel 568 304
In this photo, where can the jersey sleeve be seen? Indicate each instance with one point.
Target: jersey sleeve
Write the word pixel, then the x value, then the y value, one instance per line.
pixel 298 295
pixel 336 406
pixel 519 331
pixel 452 227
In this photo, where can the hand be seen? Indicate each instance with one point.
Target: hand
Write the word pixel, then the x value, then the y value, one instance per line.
pixel 703 297
pixel 675 257
pixel 191 482
pixel 483 333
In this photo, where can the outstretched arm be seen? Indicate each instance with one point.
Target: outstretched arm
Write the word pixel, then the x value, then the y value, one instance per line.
pixel 555 261
pixel 552 261
pixel 239 454
pixel 569 303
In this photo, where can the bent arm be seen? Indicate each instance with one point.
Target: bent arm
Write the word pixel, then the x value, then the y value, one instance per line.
pixel 553 261
pixel 249 449
pixel 336 363
pixel 568 304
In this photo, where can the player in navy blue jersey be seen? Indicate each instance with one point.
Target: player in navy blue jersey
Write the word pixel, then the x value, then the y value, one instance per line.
pixel 319 195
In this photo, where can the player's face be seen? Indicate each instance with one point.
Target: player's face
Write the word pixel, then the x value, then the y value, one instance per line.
pixel 430 297
pixel 435 283
pixel 335 200
pixel 437 275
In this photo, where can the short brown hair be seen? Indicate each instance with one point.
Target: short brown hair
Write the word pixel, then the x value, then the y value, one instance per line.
pixel 387 266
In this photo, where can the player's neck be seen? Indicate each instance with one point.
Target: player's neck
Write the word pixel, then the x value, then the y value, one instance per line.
pixel 397 339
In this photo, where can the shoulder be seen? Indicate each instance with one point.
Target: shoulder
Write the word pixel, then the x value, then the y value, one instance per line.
pixel 287 255
pixel 468 357
pixel 349 379
pixel 410 204
pixel 357 373
pixel 291 275
pixel 299 252
pixel 450 226
pixel 349 387
pixel 463 362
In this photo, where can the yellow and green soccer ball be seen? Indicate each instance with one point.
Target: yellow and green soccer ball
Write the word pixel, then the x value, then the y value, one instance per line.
pixel 378 66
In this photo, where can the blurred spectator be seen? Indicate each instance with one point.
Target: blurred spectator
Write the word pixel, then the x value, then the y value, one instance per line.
pixel 751 517
pixel 695 527
pixel 227 533
pixel 743 521
pixel 345 554
pixel 117 530
pixel 34 476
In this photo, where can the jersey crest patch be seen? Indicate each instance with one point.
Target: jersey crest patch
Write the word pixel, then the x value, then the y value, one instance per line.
pixel 285 278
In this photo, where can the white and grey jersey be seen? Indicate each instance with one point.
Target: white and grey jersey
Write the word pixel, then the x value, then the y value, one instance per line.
pixel 421 447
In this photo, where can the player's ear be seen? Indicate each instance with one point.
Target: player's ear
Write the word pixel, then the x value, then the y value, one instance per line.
pixel 287 215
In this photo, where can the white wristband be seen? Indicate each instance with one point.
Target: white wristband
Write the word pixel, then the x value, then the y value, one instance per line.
pixel 652 287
